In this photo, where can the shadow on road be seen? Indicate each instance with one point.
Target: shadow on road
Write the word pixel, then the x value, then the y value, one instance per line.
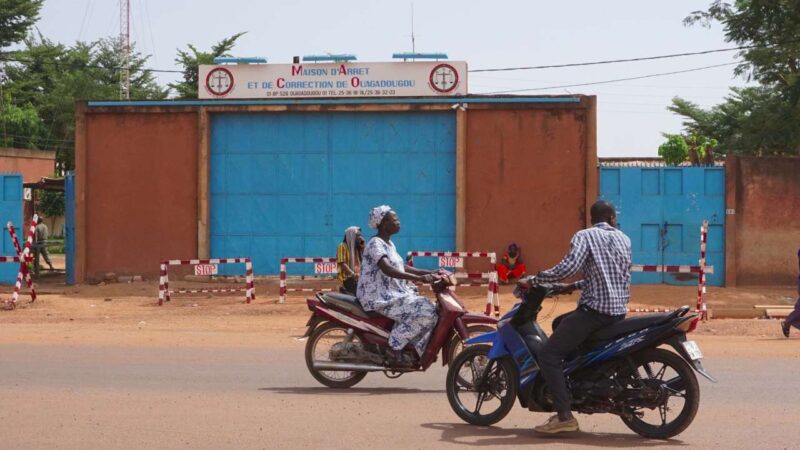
pixel 350 391
pixel 464 434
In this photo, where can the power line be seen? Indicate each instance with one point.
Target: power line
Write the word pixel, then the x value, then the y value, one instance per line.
pixel 78 65
pixel 548 66
pixel 617 80
pixel 644 58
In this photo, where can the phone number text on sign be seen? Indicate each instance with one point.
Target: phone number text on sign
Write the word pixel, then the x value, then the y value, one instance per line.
pixel 206 269
pixel 451 261
pixel 325 267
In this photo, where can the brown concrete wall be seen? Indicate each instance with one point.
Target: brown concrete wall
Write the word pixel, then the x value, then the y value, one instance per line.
pixel 140 190
pixel 526 174
pixel 765 195
pixel 32 164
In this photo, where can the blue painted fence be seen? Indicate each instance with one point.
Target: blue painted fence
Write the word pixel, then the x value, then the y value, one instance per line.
pixel 288 184
pixel 10 211
pixel 662 209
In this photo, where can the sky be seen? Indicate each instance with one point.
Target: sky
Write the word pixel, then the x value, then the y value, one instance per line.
pixel 632 115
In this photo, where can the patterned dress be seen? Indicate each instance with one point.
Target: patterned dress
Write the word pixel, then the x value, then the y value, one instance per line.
pixel 414 316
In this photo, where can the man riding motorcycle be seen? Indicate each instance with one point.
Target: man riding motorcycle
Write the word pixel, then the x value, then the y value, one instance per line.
pixel 603 254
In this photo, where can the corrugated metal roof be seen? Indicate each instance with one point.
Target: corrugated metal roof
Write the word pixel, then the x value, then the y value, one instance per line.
pixel 644 162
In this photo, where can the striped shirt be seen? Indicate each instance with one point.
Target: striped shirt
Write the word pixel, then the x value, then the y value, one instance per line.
pixel 343 257
pixel 603 254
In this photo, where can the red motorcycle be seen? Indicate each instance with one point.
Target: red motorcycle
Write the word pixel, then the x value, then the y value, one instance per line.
pixel 345 342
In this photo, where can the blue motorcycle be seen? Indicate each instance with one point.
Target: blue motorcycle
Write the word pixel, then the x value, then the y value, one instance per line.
pixel 620 369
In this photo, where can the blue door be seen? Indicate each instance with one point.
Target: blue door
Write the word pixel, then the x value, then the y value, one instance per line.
pixel 69 216
pixel 288 184
pixel 662 209
pixel 11 211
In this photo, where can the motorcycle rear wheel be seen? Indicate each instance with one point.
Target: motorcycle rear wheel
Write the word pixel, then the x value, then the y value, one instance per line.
pixel 319 343
pixel 660 366
pixel 500 388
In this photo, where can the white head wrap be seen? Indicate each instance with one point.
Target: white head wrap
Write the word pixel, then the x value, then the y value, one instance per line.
pixel 350 241
pixel 377 214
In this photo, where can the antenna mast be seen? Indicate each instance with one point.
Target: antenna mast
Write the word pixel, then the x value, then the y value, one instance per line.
pixel 125 49
pixel 413 43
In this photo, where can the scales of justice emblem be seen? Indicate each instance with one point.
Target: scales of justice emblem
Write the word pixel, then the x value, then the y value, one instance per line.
pixel 444 78
pixel 219 81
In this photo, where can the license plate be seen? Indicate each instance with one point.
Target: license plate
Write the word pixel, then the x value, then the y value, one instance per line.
pixel 693 350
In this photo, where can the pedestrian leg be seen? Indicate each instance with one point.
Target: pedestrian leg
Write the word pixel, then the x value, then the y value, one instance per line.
pixel 46 255
pixel 502 273
pixel 571 332
pixel 793 320
pixel 519 271
pixel 36 260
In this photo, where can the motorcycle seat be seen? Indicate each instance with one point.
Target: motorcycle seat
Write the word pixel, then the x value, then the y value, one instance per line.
pixel 348 303
pixel 628 326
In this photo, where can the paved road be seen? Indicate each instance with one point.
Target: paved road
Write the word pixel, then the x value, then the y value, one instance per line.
pixel 156 397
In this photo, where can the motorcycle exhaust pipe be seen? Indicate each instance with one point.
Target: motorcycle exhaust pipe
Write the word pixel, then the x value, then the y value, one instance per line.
pixel 355 367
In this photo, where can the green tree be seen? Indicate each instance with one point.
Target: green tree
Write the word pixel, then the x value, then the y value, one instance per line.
pixel 771 28
pixel 51 77
pixel 675 150
pixel 753 120
pixel 16 18
pixel 20 127
pixel 51 203
pixel 763 119
pixel 191 59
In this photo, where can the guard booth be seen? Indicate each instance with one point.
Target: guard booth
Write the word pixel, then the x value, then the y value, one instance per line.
pixel 662 208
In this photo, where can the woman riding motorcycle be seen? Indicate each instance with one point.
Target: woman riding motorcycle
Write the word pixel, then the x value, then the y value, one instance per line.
pixel 382 288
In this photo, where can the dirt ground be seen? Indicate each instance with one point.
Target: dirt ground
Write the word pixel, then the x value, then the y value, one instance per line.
pixel 105 367
pixel 127 313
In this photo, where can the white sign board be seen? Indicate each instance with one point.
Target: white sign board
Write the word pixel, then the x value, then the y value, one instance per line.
pixel 325 267
pixel 331 80
pixel 451 261
pixel 206 269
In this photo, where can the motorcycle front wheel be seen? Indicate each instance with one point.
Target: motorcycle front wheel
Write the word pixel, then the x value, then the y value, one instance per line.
pixel 476 398
pixel 457 345
pixel 667 380
pixel 318 348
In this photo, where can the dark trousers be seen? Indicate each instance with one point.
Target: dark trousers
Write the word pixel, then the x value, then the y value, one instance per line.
pixel 40 249
pixel 349 286
pixel 573 329
pixel 794 317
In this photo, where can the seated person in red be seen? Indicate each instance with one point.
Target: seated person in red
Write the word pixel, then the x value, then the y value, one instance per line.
pixel 511 266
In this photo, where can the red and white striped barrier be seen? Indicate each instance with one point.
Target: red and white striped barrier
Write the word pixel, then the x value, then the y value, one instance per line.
pixel 651 310
pixel 163 281
pixel 284 289
pixel 701 270
pixel 492 295
pixel 670 269
pixel 23 258
pixel 701 284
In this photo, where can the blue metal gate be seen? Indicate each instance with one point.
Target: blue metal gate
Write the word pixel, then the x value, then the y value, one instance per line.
pixel 662 209
pixel 69 216
pixel 288 184
pixel 10 211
